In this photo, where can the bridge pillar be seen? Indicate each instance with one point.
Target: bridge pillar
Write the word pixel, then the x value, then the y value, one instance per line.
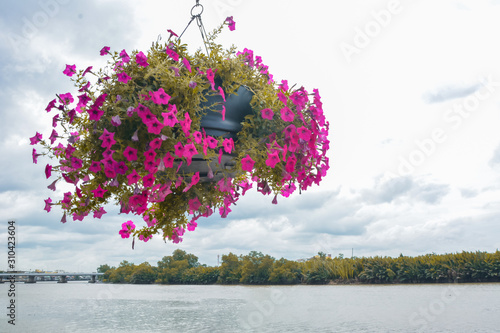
pixel 62 279
pixel 31 279
pixel 92 279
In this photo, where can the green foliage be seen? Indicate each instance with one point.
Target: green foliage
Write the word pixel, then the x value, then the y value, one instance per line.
pixel 122 274
pixel 285 272
pixel 257 268
pixel 143 274
pixel 230 270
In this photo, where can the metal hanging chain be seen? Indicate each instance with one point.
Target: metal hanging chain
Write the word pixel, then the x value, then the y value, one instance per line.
pixel 198 8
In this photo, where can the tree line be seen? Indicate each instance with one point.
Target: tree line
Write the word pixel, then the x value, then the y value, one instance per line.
pixel 259 269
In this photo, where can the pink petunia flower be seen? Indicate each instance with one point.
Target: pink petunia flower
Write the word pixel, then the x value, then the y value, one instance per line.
pixel 161 97
pixel 35 139
pixel 70 70
pixel 124 56
pixel 105 50
pixel 123 77
pixel 211 77
pixel 272 159
pixel 141 59
pixel 87 70
pixel 187 64
pixel 247 163
pixel 133 177
pixel 189 152
pixel 230 22
pixel 99 213
pixel 171 33
pixel 99 192
pixel 267 114
pixel 130 154
pixel 48 204
pixel 287 114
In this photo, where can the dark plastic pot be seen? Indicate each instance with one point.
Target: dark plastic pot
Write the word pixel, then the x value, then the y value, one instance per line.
pixel 237 107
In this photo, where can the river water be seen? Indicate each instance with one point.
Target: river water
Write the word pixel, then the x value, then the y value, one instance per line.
pixel 85 307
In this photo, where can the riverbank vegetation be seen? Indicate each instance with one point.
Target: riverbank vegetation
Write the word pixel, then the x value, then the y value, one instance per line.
pixel 259 269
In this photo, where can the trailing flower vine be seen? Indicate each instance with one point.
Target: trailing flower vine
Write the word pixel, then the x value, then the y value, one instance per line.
pixel 133 134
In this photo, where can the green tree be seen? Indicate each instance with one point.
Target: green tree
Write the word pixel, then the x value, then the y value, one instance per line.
pixel 171 269
pixel 143 274
pixel 123 273
pixel 285 272
pixel 230 269
pixel 103 269
pixel 256 268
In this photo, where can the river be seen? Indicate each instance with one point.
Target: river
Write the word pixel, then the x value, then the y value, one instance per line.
pixel 84 307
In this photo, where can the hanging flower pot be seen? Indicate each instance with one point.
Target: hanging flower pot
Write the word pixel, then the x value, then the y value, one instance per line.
pixel 171 136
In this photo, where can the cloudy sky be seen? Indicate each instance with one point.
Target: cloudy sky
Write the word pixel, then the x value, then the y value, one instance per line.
pixel 411 90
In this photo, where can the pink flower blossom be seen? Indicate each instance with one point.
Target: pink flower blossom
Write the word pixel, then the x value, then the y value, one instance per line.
pixel 35 139
pixel 171 33
pixel 282 97
pixel 290 164
pixel 187 64
pixel 287 114
pixel 194 180
pixel 186 124
pixel 272 159
pixel 51 105
pixel 127 229
pixel 94 113
pixel 66 98
pixel 124 56
pixel 247 163
pixel 133 177
pixel 52 186
pixel 123 77
pixel 70 70
pixel 155 126
pixel 194 204
pixel 221 92
pixel 34 155
pixel 155 143
pixel 228 145
pixel 99 192
pixel 148 180
pixel 48 171
pixel 168 160
pixel 172 54
pixel 169 119
pixel 161 97
pixel 192 225
pixel 48 204
pixel 189 152
pixel 107 139
pixel 115 121
pixel 95 167
pixel 105 50
pixel 144 238
pixel 304 133
pixel 179 149
pixel 99 213
pixel 87 70
pixel 198 138
pixel 267 114
pixel 230 22
pixel 141 59
pixel 211 77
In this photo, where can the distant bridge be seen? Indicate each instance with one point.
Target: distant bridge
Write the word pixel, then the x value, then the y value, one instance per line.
pixel 63 277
